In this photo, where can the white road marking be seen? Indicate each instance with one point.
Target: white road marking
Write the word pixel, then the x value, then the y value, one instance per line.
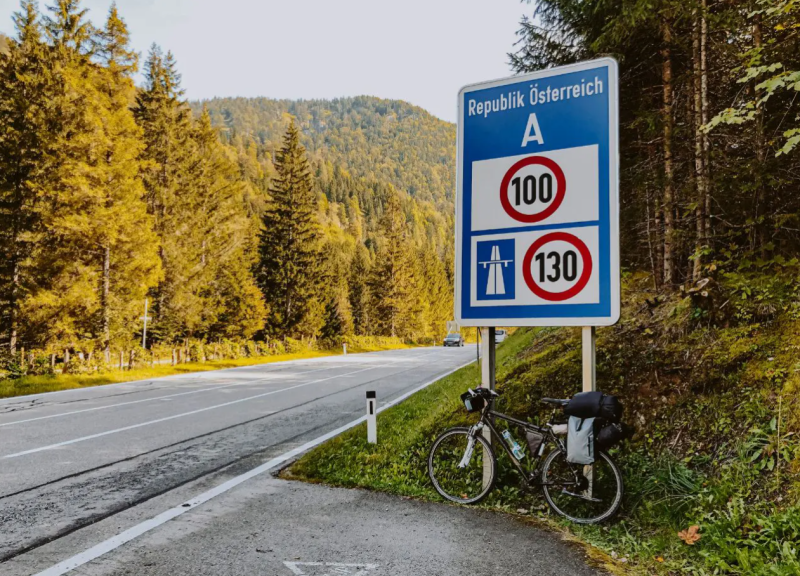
pixel 134 532
pixel 211 389
pixel 174 416
pixel 338 568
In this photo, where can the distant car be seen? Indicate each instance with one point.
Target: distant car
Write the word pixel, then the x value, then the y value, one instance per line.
pixel 499 336
pixel 454 339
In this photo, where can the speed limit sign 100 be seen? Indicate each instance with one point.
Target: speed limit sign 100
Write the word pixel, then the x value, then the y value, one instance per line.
pixel 533 189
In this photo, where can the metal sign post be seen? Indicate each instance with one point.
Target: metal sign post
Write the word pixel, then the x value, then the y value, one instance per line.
pixel 588 337
pixel 487 381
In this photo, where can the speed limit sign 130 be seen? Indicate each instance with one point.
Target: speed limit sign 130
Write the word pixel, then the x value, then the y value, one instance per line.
pixel 537 234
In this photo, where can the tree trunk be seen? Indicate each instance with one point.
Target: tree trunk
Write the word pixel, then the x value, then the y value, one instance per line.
pixel 666 113
pixel 759 198
pixel 106 304
pixel 13 320
pixel 699 152
pixel 704 120
pixel 652 241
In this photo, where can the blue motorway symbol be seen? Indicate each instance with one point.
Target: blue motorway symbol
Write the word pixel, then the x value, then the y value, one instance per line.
pixel 496 271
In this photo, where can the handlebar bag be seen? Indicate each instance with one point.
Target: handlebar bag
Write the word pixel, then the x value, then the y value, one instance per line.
pixel 473 403
pixel 580 440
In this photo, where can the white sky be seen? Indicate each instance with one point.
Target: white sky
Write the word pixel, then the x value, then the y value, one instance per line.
pixel 421 51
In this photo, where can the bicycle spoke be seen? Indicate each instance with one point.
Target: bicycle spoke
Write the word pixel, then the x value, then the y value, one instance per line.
pixel 582 493
pixel 457 467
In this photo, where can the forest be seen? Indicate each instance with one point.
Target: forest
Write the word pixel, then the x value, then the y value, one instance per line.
pixel 236 220
pixel 709 120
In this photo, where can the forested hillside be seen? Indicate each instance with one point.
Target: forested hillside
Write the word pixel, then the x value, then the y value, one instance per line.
pixel 236 221
pixel 384 140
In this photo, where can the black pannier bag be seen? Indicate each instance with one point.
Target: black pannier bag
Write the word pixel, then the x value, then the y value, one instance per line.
pixel 609 434
pixel 594 405
pixel 473 403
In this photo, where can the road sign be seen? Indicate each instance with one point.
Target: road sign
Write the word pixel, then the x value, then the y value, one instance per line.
pixel 537 209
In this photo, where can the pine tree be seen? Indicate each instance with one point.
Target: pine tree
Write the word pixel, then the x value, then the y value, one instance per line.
pixel 392 284
pixel 27 159
pixel 122 229
pixel 169 156
pixel 288 270
pixel 361 270
pixel 225 234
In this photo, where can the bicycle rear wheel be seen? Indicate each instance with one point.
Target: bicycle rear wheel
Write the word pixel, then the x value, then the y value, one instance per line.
pixel 456 466
pixel 582 494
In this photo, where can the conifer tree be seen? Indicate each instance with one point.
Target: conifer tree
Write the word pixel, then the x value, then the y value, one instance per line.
pixel 122 229
pixel 392 284
pixel 361 270
pixel 27 159
pixel 169 149
pixel 226 238
pixel 288 270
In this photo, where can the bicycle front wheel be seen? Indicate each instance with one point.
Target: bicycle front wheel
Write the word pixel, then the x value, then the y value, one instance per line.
pixel 583 494
pixel 462 466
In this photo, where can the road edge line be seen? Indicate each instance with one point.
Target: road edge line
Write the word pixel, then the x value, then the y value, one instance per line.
pixel 134 532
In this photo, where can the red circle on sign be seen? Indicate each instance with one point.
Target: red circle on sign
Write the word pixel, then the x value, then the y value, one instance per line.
pixel 561 189
pixel 579 285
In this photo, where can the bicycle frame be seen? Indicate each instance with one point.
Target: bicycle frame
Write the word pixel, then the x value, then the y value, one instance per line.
pixel 488 414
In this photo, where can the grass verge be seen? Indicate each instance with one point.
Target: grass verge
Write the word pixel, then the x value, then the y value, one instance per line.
pixel 717 423
pixel 26 385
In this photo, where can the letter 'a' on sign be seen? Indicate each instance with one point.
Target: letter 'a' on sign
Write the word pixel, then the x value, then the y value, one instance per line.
pixel 537 206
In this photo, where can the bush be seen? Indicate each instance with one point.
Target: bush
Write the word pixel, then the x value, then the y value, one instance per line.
pixel 297 346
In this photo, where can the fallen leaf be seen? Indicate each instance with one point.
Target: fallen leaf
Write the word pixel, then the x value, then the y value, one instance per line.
pixel 659 559
pixel 690 536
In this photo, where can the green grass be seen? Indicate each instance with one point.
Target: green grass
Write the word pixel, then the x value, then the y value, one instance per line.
pixel 713 447
pixel 25 385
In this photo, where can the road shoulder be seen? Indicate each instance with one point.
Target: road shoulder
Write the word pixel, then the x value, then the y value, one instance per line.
pixel 273 526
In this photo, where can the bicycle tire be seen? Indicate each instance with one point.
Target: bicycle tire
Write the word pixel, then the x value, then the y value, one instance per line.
pixel 487 450
pixel 610 512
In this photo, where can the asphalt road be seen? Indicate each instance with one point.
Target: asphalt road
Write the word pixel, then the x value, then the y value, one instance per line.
pixel 79 468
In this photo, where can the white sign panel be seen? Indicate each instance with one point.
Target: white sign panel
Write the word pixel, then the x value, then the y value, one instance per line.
pixel 537 232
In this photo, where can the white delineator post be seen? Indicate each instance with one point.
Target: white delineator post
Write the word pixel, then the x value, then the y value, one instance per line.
pixel 487 381
pixel 372 417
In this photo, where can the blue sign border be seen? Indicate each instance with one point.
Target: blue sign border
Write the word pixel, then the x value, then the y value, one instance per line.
pixel 565 124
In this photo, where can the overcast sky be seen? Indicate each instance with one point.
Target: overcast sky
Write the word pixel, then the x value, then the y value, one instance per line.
pixel 421 51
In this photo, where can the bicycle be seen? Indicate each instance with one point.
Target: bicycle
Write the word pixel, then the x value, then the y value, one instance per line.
pixel 583 494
